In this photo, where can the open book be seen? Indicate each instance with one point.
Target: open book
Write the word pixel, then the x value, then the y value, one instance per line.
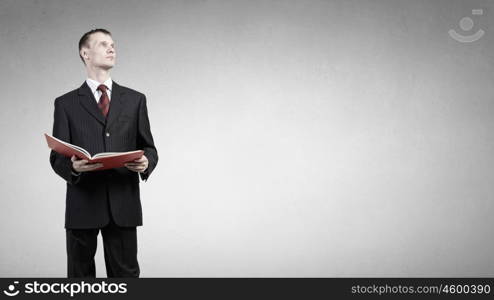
pixel 109 160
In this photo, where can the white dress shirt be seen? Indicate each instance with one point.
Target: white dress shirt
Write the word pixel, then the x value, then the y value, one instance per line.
pixel 93 85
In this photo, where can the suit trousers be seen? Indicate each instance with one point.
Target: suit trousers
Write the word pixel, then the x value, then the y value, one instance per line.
pixel 120 251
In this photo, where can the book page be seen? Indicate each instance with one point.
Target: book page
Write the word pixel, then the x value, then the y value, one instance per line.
pixel 77 148
pixel 109 154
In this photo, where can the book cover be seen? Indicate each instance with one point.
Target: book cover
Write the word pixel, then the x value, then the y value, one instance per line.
pixel 109 160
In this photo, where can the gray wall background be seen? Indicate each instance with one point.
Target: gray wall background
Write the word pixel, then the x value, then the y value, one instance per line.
pixel 296 138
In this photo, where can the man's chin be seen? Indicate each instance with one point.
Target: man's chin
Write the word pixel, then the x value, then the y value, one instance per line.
pixel 106 66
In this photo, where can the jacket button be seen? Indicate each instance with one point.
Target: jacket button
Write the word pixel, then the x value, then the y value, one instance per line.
pixel 107 134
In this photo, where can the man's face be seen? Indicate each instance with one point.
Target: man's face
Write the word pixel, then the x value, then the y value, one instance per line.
pixel 101 51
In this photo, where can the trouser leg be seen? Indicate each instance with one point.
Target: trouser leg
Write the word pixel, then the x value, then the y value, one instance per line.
pixel 120 247
pixel 81 248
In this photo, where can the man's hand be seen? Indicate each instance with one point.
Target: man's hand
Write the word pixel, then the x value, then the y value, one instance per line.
pixel 81 165
pixel 139 165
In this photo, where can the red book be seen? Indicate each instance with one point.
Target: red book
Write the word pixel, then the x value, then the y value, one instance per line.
pixel 109 160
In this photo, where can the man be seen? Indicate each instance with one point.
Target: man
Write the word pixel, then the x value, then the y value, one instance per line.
pixel 102 116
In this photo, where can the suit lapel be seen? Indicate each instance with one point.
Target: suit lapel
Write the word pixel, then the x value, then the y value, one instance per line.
pixel 116 104
pixel 89 103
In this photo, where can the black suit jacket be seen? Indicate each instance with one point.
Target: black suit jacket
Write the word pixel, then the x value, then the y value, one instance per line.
pixel 92 196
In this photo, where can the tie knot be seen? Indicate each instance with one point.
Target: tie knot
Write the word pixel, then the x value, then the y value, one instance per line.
pixel 102 87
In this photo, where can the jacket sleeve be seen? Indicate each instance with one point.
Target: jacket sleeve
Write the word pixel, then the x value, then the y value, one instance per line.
pixel 62 165
pixel 145 139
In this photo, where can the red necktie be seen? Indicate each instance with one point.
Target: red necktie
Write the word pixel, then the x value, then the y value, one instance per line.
pixel 104 101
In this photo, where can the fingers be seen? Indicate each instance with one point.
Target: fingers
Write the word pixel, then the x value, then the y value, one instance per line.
pixel 90 167
pixel 83 166
pixel 142 159
pixel 79 163
pixel 140 167
pixel 75 160
pixel 136 167
pixel 132 164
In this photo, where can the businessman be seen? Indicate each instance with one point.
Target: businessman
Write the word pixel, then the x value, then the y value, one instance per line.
pixel 102 116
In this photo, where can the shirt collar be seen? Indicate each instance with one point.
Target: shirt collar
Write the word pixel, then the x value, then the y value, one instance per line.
pixel 93 84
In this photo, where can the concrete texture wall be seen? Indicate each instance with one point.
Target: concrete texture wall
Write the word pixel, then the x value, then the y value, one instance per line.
pixel 296 138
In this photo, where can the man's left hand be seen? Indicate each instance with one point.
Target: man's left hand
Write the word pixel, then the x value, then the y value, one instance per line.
pixel 139 165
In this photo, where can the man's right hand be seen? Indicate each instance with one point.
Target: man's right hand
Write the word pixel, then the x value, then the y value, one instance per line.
pixel 81 165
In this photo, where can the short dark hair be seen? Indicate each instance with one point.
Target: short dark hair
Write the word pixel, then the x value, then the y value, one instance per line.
pixel 85 38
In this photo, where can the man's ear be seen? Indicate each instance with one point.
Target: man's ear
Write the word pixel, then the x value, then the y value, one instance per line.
pixel 83 53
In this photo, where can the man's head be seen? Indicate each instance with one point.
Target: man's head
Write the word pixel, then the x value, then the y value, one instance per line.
pixel 96 49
